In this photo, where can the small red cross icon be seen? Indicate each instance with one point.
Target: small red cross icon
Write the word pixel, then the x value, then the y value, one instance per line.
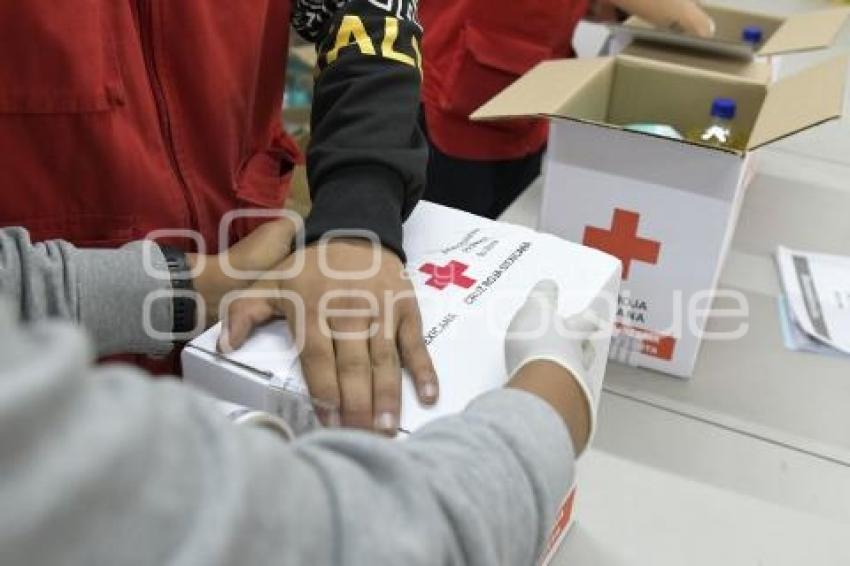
pixel 622 241
pixel 451 274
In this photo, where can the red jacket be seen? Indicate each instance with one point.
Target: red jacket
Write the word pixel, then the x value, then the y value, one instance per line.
pixel 118 117
pixel 473 49
pixel 121 117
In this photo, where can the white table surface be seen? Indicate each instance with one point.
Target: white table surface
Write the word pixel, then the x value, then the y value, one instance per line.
pixel 663 489
pixel 749 461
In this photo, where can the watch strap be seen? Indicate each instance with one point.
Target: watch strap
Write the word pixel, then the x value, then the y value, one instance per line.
pixel 183 305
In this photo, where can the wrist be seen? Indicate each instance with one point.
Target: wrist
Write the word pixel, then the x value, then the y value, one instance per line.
pixel 561 390
pixel 210 283
pixel 364 199
pixel 358 243
pixel 205 277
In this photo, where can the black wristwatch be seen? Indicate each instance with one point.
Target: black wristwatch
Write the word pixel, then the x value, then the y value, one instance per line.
pixel 183 305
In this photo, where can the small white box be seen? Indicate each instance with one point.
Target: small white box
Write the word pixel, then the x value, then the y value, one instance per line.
pixel 667 208
pixel 470 275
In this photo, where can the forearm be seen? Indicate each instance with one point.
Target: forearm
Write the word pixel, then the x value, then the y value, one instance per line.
pixel 169 476
pixel 367 158
pixel 552 382
pixel 103 290
pixel 481 488
pixel 499 472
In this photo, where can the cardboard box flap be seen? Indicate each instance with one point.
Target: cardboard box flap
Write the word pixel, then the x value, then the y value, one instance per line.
pixel 744 68
pixel 805 32
pixel 783 34
pixel 799 102
pixel 641 32
pixel 546 89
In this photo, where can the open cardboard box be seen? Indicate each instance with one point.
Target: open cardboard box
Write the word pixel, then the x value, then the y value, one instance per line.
pixel 612 92
pixel 667 208
pixel 782 34
pixel 726 52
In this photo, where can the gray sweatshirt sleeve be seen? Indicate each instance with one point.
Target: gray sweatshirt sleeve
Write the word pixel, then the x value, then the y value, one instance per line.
pixel 103 290
pixel 103 466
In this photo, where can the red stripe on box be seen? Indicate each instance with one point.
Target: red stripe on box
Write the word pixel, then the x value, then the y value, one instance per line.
pixel 652 344
pixel 562 525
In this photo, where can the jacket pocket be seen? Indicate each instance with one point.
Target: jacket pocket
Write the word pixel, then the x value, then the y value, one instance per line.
pixel 264 179
pixel 57 57
pixel 488 62
pixel 263 183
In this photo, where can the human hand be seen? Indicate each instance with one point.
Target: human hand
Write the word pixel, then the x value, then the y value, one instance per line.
pixel 603 11
pixel 354 332
pixel 682 15
pixel 541 344
pixel 260 251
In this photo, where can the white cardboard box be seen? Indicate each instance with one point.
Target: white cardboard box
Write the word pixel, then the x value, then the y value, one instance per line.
pixel 667 208
pixel 470 275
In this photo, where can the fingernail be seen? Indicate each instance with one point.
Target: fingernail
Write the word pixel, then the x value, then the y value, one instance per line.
pixel 428 390
pixel 386 421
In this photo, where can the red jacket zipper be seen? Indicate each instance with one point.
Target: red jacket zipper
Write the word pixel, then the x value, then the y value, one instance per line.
pixel 146 30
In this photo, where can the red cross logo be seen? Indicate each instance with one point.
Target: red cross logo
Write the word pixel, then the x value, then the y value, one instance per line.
pixel 622 241
pixel 451 274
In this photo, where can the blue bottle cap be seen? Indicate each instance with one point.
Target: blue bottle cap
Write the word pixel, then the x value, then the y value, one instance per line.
pixel 724 108
pixel 752 34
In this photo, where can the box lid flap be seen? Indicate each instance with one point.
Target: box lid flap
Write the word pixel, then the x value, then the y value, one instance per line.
pixel 744 68
pixel 642 32
pixel 544 90
pixel 796 103
pixel 807 31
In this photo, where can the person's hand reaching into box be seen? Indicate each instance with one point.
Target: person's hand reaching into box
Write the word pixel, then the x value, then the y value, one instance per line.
pixel 686 16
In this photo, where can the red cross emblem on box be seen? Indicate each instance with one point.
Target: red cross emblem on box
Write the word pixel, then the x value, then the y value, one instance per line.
pixel 622 241
pixel 450 274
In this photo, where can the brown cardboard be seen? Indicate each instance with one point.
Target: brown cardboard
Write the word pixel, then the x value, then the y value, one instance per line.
pixel 661 92
pixel 806 32
pixel 613 92
pixel 754 70
pixel 548 87
pixel 783 34
pixel 730 22
pixel 802 101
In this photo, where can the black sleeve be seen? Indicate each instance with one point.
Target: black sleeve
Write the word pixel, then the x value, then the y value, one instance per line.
pixel 368 157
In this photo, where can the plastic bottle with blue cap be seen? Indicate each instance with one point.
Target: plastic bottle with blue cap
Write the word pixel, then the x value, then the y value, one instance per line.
pixel 753 36
pixel 720 131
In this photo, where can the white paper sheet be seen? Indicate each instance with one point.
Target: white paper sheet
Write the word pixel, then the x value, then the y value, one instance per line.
pixel 817 291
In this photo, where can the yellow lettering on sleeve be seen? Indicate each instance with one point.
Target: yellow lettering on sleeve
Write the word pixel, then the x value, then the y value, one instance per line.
pixel 418 57
pixel 351 28
pixel 388 48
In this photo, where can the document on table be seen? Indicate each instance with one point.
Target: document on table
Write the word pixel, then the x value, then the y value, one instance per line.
pixel 817 299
